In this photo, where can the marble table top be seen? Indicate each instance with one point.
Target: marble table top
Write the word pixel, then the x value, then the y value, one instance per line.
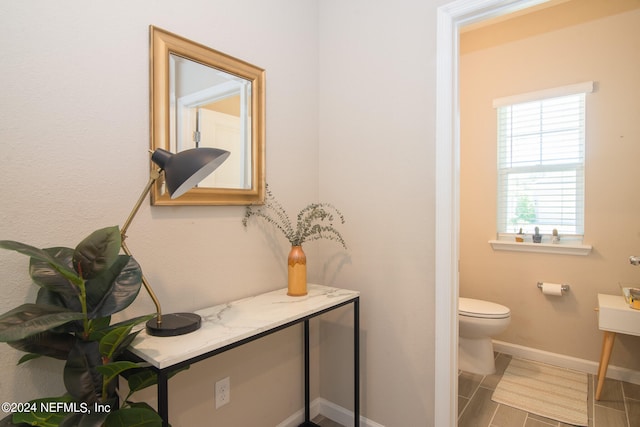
pixel 226 324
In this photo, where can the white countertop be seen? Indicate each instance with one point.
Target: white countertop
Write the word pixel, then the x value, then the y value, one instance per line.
pixel 614 314
pixel 229 323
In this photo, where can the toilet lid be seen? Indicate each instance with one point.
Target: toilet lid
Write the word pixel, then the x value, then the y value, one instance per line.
pixel 484 309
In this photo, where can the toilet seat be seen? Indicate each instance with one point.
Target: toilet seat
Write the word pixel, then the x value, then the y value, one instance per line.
pixel 470 307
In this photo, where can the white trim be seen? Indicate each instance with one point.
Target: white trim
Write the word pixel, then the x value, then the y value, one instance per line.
pixel 450 18
pixel 549 248
pixel 568 362
pixel 341 415
pixel 337 413
pixel 298 417
pixel 586 87
pixel 446 220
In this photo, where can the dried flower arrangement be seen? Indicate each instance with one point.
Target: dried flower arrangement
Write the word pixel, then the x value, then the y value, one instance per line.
pixel 314 222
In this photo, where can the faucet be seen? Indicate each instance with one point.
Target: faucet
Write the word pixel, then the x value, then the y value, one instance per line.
pixel 634 260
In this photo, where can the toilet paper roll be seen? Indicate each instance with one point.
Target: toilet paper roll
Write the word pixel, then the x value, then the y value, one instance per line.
pixel 552 289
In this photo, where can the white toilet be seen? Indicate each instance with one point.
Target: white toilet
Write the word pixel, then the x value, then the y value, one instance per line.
pixel 478 321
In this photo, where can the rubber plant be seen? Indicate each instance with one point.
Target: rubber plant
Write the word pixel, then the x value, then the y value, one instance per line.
pixel 71 320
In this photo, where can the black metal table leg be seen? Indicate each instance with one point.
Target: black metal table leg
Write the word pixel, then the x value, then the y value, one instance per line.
pixel 163 398
pixel 356 362
pixel 307 394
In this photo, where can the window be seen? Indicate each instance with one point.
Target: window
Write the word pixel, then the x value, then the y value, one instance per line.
pixel 541 144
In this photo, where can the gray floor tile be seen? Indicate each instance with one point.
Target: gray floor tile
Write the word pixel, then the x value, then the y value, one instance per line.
pixel 611 396
pixel 633 412
pixel 542 419
pixel 468 384
pixel 479 411
pixel 462 403
pixel 609 417
pixel 491 381
pixel 619 405
pixel 532 422
pixel 507 416
pixel 631 391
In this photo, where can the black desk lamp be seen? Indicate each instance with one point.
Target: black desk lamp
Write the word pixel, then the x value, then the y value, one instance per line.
pixel 182 172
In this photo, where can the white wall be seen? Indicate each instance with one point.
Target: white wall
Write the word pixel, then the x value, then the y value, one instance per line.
pixel 377 105
pixel 73 142
pixel 350 120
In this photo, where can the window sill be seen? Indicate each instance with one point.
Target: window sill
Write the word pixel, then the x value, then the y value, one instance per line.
pixel 549 248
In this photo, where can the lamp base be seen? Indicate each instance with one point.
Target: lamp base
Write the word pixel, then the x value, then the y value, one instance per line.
pixel 174 324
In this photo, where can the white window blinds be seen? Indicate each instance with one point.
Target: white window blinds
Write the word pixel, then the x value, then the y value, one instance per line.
pixel 541 161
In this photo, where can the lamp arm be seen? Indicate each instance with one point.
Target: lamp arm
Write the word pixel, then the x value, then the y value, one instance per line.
pixel 153 176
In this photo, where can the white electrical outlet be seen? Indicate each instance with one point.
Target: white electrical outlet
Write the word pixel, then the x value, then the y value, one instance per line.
pixel 223 392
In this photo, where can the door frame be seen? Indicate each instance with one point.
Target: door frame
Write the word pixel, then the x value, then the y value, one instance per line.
pixel 450 18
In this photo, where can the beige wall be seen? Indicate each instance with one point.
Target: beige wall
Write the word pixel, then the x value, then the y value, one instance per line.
pixel 571 46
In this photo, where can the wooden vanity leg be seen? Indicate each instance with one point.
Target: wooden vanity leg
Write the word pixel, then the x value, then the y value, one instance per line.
pixel 607 346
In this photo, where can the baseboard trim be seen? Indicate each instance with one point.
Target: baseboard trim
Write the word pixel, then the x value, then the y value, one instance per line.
pixel 298 417
pixel 342 415
pixel 563 361
pixel 330 410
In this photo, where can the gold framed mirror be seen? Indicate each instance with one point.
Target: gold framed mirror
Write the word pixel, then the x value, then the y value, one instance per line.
pixel 204 98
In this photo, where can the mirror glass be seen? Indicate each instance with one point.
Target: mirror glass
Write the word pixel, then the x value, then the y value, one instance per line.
pixel 204 98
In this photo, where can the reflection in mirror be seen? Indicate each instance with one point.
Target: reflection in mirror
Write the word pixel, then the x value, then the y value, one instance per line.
pixel 204 98
pixel 213 109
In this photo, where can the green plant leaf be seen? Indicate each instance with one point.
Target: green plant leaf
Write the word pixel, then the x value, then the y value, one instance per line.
pixel 139 379
pixel 50 277
pixel 113 369
pixel 45 343
pixel 31 319
pixel 99 287
pixel 81 379
pixel 134 417
pixel 115 289
pixel 8 422
pixel 93 419
pixel 98 324
pixel 122 345
pixel 43 419
pixel 110 342
pixel 70 302
pixel 28 357
pixel 97 252
pixel 42 255
pixel 140 405
pixel 99 332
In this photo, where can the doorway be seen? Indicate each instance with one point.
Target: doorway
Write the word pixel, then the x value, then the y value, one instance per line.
pixel 450 18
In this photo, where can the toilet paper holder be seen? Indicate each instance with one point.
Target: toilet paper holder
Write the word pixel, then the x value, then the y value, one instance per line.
pixel 565 288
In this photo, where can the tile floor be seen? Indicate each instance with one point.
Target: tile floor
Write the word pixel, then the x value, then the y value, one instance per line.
pixel 619 404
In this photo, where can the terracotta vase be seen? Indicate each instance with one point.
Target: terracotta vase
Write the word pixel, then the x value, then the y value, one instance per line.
pixel 297 272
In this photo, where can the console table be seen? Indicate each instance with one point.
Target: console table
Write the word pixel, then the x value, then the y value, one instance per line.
pixel 231 325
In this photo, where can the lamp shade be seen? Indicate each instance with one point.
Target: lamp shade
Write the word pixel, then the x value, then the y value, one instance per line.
pixel 185 169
